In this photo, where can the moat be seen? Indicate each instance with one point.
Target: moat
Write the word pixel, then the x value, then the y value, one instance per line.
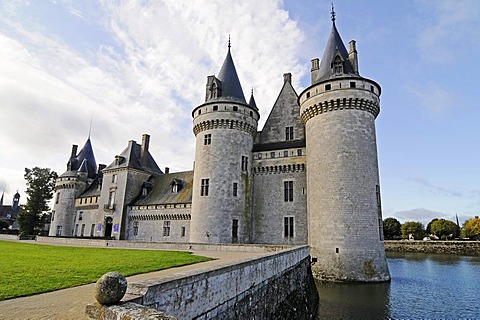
pixel 423 286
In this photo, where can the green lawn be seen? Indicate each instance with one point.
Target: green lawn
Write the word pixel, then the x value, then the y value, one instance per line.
pixel 27 269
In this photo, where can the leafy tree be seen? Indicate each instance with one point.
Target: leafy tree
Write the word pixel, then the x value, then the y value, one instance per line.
pixel 444 229
pixel 413 227
pixel 429 226
pixel 40 186
pixel 472 228
pixel 4 224
pixel 391 228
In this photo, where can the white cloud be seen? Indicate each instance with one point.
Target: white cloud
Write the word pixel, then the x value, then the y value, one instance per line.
pixel 434 99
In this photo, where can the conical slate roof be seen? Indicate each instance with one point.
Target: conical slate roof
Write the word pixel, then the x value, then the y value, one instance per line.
pixel 231 87
pixel 85 154
pixel 252 102
pixel 334 45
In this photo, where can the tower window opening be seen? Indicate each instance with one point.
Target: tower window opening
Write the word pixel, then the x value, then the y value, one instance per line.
pixel 58 198
pixel 215 108
pixel 288 191
pixel 289 133
pixel 285 154
pixel 200 111
pixel 183 232
pixel 337 65
pixel 328 87
pixel 207 139
pixel 114 178
pixel 288 227
pixel 251 113
pixel 59 231
pixel 260 156
pixel 272 154
pixel 92 230
pixel 235 189
pixel 234 231
pixel 353 84
pixel 244 163
pixel 80 216
pixel 299 152
pixel 166 228
pixel 372 89
pixel 337 250
pixel 235 108
pixel 135 228
pixel 204 187
pixel 308 95
pixel 82 232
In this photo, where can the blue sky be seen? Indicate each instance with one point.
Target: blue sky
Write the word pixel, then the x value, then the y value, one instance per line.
pixel 141 67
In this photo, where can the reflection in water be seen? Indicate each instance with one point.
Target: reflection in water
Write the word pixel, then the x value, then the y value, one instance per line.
pixel 423 286
pixel 354 301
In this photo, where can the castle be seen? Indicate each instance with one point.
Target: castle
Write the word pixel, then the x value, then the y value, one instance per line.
pixel 310 176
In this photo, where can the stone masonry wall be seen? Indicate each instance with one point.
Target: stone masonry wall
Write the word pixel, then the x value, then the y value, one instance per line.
pixel 468 248
pixel 276 286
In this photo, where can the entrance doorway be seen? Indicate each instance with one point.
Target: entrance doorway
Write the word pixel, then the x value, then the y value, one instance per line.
pixel 108 227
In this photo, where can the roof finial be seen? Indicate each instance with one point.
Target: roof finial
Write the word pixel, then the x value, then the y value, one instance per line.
pixel 333 13
pixel 252 91
pixel 90 129
pixel 229 42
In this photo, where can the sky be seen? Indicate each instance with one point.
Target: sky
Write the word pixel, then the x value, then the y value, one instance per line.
pixel 134 67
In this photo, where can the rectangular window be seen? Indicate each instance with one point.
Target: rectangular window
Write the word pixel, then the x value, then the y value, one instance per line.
pixel 59 231
pixel 288 191
pixel 288 227
pixel 92 230
pixel 58 197
pixel 83 230
pixel 234 230
pixel 235 189
pixel 135 228
pixel 244 163
pixel 289 133
pixel 207 139
pixel 183 232
pixel 285 153
pixel 111 199
pixel 114 178
pixel 235 108
pixel 299 152
pixel 53 215
pixel 166 228
pixel 272 154
pixel 353 84
pixel 328 87
pixel 204 187
pixel 76 230
pixel 215 108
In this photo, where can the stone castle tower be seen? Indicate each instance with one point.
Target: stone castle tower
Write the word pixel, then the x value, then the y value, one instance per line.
pixel 338 110
pixel 224 127
pixel 81 171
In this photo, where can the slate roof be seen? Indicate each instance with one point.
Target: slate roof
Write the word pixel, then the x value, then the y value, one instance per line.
pixel 131 158
pixel 252 102
pixel 87 153
pixel 161 189
pixel 334 44
pixel 279 145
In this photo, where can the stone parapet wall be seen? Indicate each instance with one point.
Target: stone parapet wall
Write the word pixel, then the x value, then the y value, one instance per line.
pixel 469 248
pixel 276 286
pixel 11 237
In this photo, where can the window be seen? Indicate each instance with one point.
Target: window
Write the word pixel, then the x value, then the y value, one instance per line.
pixel 111 199
pixel 244 163
pixel 80 216
pixel 299 152
pixel 207 139
pixel 234 230
pixel 58 197
pixel 379 212
pixel 76 230
pixel 251 113
pixel 328 87
pixel 235 108
pixel 166 228
pixel 59 231
pixel 114 178
pixel 353 84
pixel 338 65
pixel 308 95
pixel 204 187
pixel 235 189
pixel 285 153
pixel 372 89
pixel 200 112
pixel 83 230
pixel 135 228
pixel 92 230
pixel 91 199
pixel 53 215
pixel 215 108
pixel 288 191
pixel 272 154
pixel 289 133
pixel 288 227
pixel 144 192
pixel 183 232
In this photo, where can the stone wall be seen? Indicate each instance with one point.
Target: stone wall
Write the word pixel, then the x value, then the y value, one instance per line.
pixel 468 248
pixel 276 286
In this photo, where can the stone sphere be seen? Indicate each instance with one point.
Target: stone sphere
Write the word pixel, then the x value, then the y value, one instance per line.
pixel 110 288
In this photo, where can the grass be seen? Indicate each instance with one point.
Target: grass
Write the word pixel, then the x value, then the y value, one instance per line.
pixel 27 269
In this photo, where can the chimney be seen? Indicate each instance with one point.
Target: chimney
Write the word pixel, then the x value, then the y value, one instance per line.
pixel 74 151
pixel 101 167
pixel 352 56
pixel 167 170
pixel 144 151
pixel 287 77
pixel 314 70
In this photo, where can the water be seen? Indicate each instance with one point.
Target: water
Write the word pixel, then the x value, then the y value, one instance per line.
pixel 423 286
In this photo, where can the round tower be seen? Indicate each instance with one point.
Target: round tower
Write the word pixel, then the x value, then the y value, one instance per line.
pixel 345 229
pixel 224 127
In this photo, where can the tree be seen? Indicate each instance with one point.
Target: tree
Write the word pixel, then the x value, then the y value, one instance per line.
pixel 413 227
pixel 472 228
pixel 391 228
pixel 40 186
pixel 429 226
pixel 445 229
pixel 4 225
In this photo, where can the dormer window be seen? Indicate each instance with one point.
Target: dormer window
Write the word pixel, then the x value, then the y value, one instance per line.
pixel 213 90
pixel 337 65
pixel 144 191
pixel 176 185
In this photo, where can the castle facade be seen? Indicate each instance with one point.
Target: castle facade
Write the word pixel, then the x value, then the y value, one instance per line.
pixel 310 176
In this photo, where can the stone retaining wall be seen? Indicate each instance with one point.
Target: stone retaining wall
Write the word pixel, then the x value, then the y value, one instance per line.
pixel 10 237
pixel 279 285
pixel 468 248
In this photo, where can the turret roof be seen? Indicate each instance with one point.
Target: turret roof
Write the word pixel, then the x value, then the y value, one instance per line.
pixel 252 102
pixel 231 87
pixel 131 158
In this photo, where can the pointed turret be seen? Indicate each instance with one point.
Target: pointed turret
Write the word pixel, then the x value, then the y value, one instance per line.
pixel 252 102
pixel 87 153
